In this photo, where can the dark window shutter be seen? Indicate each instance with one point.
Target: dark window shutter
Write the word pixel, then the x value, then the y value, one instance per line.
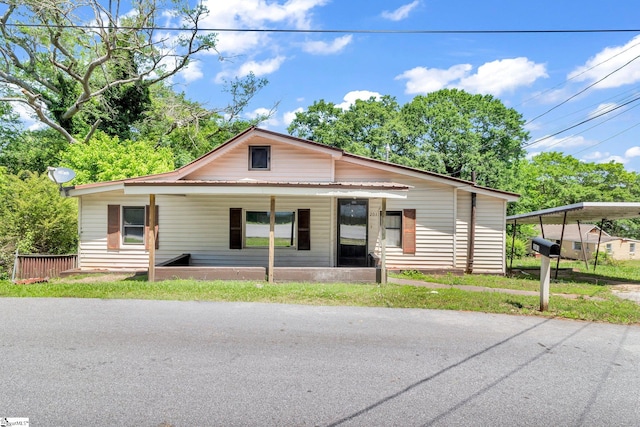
pixel 113 227
pixel 409 231
pixel 304 229
pixel 235 228
pixel 146 228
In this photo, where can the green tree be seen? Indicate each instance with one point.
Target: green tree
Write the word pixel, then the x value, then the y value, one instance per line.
pixel 34 218
pixel 456 133
pixel 73 76
pixel 32 151
pixel 449 131
pixel 106 158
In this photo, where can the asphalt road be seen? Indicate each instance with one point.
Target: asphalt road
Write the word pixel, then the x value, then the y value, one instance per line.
pixel 71 362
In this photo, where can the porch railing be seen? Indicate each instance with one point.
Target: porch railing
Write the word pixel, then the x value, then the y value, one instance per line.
pixel 41 266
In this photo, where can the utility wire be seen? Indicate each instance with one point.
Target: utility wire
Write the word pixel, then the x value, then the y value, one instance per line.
pixel 580 123
pixel 594 126
pixel 607 139
pixel 577 75
pixel 334 31
pixel 583 90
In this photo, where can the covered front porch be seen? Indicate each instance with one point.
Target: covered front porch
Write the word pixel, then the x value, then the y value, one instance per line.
pixel 352 235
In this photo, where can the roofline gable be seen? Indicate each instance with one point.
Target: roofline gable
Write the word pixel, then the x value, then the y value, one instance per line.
pixel 335 153
pixel 249 133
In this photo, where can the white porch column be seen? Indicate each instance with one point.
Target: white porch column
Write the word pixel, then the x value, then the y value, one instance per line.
pixel 272 241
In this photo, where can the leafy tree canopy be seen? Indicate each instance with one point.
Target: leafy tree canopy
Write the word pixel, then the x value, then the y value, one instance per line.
pixel 106 158
pixel 85 65
pixel 34 218
pixel 449 131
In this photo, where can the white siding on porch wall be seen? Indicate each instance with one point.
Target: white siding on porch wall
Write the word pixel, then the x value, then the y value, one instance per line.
pixel 435 224
pixel 199 225
pixel 490 235
pixel 442 223
pixel 92 248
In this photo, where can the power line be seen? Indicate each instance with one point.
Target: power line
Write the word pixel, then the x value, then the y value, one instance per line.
pixel 607 139
pixel 583 90
pixel 336 31
pixel 576 76
pixel 580 123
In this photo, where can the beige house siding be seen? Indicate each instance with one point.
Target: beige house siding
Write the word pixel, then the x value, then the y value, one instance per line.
pixel 463 216
pixel 93 251
pixel 490 235
pixel 620 250
pixel 206 221
pixel 289 163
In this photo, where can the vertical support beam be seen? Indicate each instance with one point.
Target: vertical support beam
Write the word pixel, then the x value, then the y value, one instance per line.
pixel 152 238
pixel 472 235
pixel 545 272
pixel 272 239
pixel 564 222
pixel 513 244
pixel 595 264
pixel 383 242
pixel 584 251
pixel 541 227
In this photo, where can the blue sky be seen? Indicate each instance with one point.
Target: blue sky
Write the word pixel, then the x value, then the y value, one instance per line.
pixel 536 74
pixel 529 72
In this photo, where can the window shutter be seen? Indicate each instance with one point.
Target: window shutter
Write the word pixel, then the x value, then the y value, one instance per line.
pixel 304 229
pixel 409 231
pixel 113 227
pixel 235 228
pixel 146 228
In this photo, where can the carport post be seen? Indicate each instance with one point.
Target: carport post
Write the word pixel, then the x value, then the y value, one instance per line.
pixel 584 251
pixel 564 222
pixel 595 263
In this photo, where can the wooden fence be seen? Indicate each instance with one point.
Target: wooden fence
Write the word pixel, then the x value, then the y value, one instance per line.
pixel 41 266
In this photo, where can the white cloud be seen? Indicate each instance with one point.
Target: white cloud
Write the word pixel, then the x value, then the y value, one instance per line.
pixel 616 57
pixel 192 72
pixel 255 14
pixel 351 98
pixel 324 48
pixel 494 77
pixel 290 116
pixel 602 108
pixel 632 152
pixel 259 68
pixel 400 13
pixel 503 75
pixel 270 122
pixel 262 68
pixel 559 144
pixel 610 159
pixel 425 80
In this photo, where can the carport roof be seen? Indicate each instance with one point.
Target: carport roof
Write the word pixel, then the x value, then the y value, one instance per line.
pixel 583 212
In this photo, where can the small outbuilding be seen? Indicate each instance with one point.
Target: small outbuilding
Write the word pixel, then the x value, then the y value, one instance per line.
pixel 266 204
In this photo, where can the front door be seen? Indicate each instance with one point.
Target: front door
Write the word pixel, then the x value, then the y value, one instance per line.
pixel 352 232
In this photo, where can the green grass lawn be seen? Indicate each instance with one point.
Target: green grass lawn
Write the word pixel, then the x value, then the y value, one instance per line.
pixel 606 308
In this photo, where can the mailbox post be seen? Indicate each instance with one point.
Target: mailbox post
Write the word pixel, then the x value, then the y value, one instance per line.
pixel 547 250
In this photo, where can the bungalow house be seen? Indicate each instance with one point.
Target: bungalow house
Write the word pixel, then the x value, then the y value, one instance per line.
pixel 269 203
pixel 581 241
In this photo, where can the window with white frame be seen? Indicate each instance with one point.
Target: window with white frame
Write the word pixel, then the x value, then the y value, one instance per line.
pixel 393 224
pixel 577 246
pixel 609 248
pixel 632 248
pixel 133 225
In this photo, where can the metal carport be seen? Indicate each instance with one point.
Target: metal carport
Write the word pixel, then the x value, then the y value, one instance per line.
pixel 578 212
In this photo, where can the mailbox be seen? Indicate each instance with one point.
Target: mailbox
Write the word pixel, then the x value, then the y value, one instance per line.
pixel 545 247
